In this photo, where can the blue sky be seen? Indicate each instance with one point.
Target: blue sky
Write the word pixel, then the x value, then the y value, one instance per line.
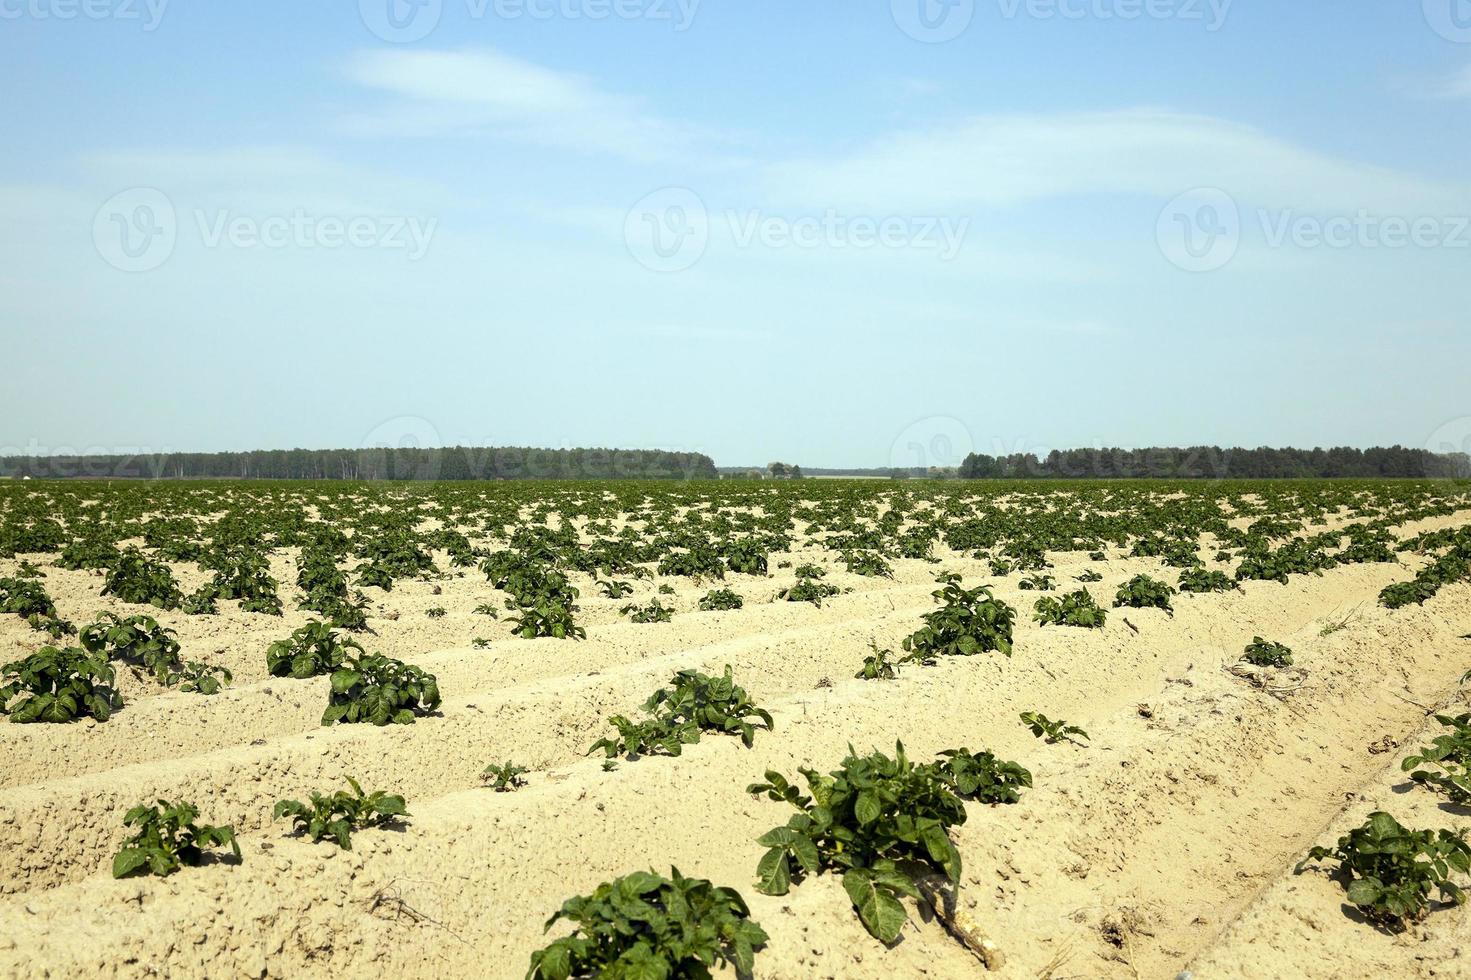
pixel 854 233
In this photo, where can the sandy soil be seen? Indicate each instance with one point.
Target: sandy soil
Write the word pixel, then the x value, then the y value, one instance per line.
pixel 1165 845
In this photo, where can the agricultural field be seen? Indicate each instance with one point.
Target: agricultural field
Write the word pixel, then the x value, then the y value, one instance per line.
pixel 847 729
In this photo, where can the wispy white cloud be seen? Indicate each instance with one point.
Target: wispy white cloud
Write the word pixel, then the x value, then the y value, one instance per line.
pixel 440 92
pixel 1007 160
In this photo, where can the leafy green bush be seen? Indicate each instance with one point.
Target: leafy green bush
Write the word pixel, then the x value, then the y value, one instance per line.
pixel 167 838
pixel 878 665
pixel 57 685
pixel 747 556
pixel 1389 870
pixel 245 575
pixel 341 813
pixel 720 599
pixel 199 678
pixel 88 553
pixel 699 562
pixel 982 777
pixel 1200 580
pixel 1262 653
pixel 545 601
pixel 1074 609
pixel 614 590
pixel 869 563
pixel 1052 731
pixel 654 612
pixel 136 578
pixel 809 590
pixel 380 690
pixel 311 651
pixel 969 622
pixel 25 598
pixel 880 822
pixel 505 777
pixel 1037 582
pixel 1143 592
pixel 1449 755
pixel 646 926
pixel 138 641
pixel 695 703
pixel 201 602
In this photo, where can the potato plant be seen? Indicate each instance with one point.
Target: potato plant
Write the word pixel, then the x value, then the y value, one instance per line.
pixel 138 579
pixel 877 821
pixel 982 777
pixel 1264 653
pixel 1201 580
pixel 652 612
pixel 969 622
pixel 721 599
pixel 644 925
pixel 1389 871
pixel 311 651
pixel 1143 592
pixel 58 685
pixel 1448 758
pixel 505 777
pixel 338 815
pixel 167 838
pixel 25 598
pixel 195 677
pixel 381 691
pixel 694 703
pixel 809 590
pixel 612 589
pixel 1052 731
pixel 1074 609
pixel 879 665
pixel 868 563
pixel 137 641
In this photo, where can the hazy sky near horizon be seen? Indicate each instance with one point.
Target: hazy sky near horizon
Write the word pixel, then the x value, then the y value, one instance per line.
pixel 836 232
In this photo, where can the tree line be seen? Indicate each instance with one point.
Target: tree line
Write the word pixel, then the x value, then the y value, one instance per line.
pixel 1214 462
pixel 447 463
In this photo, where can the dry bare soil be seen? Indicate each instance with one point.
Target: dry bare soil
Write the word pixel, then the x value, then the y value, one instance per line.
pixel 1167 844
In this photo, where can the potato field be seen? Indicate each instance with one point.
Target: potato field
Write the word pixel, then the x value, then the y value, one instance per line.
pixel 796 729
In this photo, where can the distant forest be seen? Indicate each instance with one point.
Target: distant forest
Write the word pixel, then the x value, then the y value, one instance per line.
pixel 1213 462
pixel 449 463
